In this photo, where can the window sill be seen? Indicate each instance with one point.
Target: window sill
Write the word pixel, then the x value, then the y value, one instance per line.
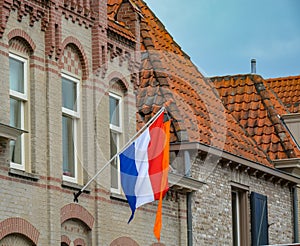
pixel 24 175
pixel 118 197
pixel 9 132
pixel 74 186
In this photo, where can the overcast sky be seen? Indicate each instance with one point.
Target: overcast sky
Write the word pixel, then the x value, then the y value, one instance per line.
pixel 222 36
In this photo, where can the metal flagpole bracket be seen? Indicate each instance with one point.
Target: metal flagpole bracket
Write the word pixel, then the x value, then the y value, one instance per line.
pixel 76 195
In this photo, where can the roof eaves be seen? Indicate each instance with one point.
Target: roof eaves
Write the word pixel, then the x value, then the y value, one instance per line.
pixel 118 28
pixel 234 158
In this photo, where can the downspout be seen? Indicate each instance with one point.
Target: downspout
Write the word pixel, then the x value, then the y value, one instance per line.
pixel 295 204
pixel 187 166
pixel 189 218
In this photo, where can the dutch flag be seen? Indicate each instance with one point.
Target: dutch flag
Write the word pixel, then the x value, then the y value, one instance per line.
pixel 144 168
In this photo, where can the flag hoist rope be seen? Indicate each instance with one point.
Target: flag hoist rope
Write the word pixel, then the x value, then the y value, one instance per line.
pixel 76 195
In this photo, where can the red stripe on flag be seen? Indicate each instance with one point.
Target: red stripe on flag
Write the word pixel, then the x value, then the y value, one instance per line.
pixel 164 181
pixel 156 154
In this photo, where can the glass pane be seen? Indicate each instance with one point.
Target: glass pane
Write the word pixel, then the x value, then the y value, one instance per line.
pixel 114 111
pixel 114 163
pixel 16 75
pixel 68 147
pixel 15 113
pixel 69 94
pixel 16 151
pixel 16 121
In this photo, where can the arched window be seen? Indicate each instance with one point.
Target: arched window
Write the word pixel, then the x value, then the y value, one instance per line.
pixel 116 125
pixel 71 114
pixel 19 59
pixel 18 80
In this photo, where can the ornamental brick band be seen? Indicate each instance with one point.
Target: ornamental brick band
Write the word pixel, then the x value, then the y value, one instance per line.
pixel 21 226
pixel 75 211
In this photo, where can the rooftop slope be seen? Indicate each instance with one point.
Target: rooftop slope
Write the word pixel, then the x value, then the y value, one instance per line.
pixel 288 91
pixel 257 109
pixel 169 78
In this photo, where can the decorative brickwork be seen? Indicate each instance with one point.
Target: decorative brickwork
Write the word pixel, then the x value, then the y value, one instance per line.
pixel 75 211
pixel 76 9
pixel 117 82
pixel 21 226
pixel 65 239
pixel 35 11
pixel 124 241
pixel 74 59
pixel 70 61
pixel 19 40
pixel 79 242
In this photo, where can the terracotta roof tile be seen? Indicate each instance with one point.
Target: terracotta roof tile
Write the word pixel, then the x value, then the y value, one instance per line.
pixel 169 78
pixel 287 89
pixel 198 113
pixel 256 109
pixel 113 7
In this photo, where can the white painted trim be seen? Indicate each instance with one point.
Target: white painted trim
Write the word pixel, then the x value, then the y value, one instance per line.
pixel 115 128
pixel 118 130
pixel 77 100
pixel 118 190
pixel 75 115
pixel 23 97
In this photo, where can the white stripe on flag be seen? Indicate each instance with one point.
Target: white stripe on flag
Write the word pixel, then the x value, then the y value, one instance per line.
pixel 143 188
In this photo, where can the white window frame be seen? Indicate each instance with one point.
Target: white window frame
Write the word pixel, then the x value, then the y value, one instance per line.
pixel 75 115
pixel 23 97
pixel 118 130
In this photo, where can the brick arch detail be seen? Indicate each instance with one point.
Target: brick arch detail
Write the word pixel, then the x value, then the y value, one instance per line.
pixel 20 33
pixel 125 241
pixel 81 53
pixel 79 241
pixel 20 226
pixel 75 211
pixel 117 76
pixel 65 239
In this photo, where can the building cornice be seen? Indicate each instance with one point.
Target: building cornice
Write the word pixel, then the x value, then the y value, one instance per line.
pixel 240 163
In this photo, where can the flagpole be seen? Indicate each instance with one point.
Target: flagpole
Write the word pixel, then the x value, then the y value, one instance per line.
pixel 76 195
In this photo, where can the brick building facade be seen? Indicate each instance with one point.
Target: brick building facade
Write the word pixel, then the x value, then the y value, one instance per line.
pixel 78 78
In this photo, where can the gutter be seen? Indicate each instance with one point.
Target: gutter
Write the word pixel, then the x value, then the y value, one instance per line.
pixel 234 158
pixel 189 219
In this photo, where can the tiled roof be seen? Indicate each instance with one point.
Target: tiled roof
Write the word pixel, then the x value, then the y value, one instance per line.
pixel 169 78
pixel 113 7
pixel 119 28
pixel 288 91
pixel 257 109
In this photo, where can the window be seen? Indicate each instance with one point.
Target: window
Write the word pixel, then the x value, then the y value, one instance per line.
pixel 18 109
pixel 240 221
pixel 292 125
pixel 70 127
pixel 259 219
pixel 115 113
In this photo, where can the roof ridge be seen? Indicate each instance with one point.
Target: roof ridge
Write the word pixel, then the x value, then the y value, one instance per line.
pixel 235 75
pixel 273 116
pixel 284 78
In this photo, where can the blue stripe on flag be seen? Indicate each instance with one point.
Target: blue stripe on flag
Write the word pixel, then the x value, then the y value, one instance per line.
pixel 129 175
